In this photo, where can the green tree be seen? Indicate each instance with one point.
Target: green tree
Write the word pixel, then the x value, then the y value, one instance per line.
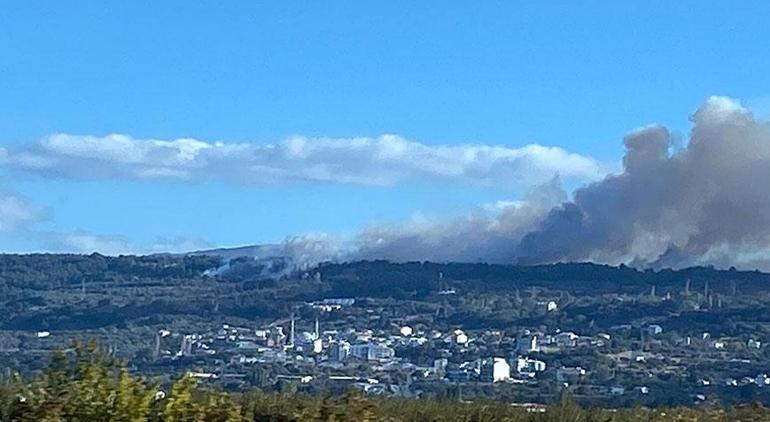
pixel 133 399
pixel 182 405
pixel 220 407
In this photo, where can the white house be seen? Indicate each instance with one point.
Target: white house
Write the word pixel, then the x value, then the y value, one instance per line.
pixel 551 306
pixel 526 365
pixel 501 371
pixel 459 337
pixel 654 329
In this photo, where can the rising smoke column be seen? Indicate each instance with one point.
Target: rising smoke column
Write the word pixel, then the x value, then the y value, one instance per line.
pixel 708 203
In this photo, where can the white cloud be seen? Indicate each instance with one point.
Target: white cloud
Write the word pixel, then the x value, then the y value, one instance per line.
pixel 386 160
pixel 16 212
pixel 177 244
pixel 86 242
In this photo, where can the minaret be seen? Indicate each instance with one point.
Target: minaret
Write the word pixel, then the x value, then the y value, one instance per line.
pixel 444 302
pixel 156 350
pixel 291 332
pixel 183 347
pixel 317 329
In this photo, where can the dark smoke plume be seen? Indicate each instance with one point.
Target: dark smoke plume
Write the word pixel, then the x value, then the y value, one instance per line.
pixel 707 203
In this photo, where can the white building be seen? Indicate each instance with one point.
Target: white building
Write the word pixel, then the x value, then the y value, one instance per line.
pixel 717 344
pixel 526 365
pixel 527 344
pixel 501 371
pixel 654 329
pixel 370 351
pixel 318 346
pixel 460 337
pixel 339 351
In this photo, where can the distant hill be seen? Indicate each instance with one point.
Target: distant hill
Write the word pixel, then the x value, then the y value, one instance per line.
pixel 252 251
pixel 50 291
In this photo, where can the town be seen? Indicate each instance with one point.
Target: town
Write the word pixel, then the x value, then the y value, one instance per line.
pixel 527 343
pixel 406 360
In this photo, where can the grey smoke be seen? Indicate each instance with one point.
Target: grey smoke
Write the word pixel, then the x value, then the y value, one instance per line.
pixel 705 203
pixel 489 235
pixel 708 203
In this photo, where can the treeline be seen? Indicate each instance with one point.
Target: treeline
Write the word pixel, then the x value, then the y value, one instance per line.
pixel 383 278
pixel 87 385
pixel 364 278
pixel 55 271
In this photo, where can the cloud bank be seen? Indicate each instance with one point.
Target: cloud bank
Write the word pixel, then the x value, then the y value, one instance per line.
pixel 386 160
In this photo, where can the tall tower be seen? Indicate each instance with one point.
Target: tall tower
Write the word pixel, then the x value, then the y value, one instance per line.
pixel 317 329
pixel 186 348
pixel 156 349
pixel 443 291
pixel 291 332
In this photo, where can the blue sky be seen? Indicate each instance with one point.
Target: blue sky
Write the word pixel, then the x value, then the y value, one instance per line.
pixel 573 75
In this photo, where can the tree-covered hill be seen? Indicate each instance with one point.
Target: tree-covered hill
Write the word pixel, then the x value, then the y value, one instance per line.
pixel 71 292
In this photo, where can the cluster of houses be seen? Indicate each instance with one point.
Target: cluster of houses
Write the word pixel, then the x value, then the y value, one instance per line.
pixel 388 358
pixel 311 352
